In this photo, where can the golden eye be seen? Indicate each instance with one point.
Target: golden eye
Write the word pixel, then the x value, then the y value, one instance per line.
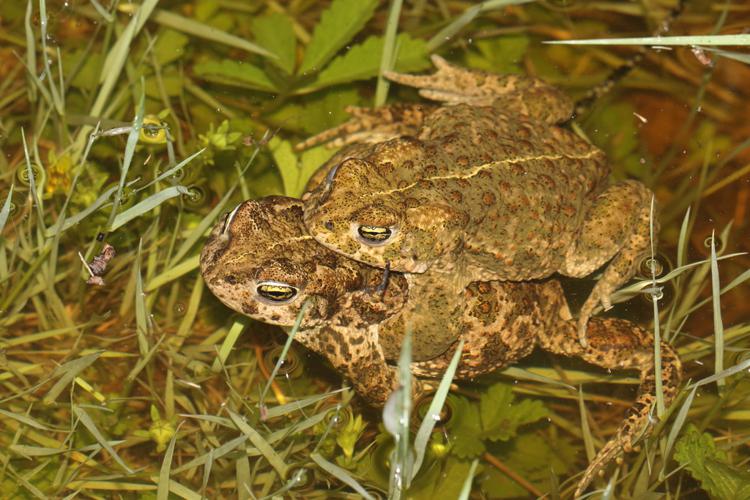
pixel 276 292
pixel 377 234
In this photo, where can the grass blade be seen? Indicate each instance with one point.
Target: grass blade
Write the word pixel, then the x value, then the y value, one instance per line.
pixel 280 410
pixel 340 474
pixel 388 56
pixel 396 416
pixel 87 422
pixel 147 205
pixel 141 310
pixel 718 324
pixel 201 30
pixel 711 40
pixel 447 33
pixel 266 449
pixel 433 412
pixel 215 454
pixel 284 351
pixel 226 347
pixel 5 211
pixel 69 372
pixel 162 492
pixel 466 489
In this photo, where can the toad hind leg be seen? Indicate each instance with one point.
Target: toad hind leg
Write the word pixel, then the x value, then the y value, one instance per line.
pixel 616 228
pixel 620 344
pixel 512 94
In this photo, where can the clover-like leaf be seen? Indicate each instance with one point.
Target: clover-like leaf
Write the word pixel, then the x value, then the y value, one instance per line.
pixel 338 24
pixel 275 32
pixel 363 61
pixel 464 429
pixel 709 465
pixel 501 417
pixel 232 72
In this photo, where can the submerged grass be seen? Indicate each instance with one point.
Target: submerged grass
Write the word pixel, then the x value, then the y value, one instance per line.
pixel 144 385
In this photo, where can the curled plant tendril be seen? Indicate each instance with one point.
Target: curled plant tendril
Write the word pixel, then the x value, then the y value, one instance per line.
pixel 289 367
pixel 652 266
pixel 654 292
pixel 196 196
pixel 421 407
pixel 718 243
pixel 22 173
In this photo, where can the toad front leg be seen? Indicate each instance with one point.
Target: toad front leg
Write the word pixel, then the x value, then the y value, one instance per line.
pixel 617 227
pixel 622 345
pixel 355 353
pixel 370 126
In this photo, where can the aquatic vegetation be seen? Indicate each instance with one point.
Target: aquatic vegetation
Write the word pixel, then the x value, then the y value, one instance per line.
pixel 136 125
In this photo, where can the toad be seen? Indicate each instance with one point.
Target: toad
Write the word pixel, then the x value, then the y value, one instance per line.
pixel 260 261
pixel 485 188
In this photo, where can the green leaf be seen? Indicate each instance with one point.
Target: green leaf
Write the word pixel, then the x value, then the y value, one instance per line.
pixel 171 80
pixel 232 72
pixel 501 418
pixel 697 452
pixel 499 55
pixel 363 61
pixel 276 33
pixel 316 112
pixel 613 128
pixel 169 46
pixel 465 426
pixel 338 24
pixel 536 458
pixel 295 172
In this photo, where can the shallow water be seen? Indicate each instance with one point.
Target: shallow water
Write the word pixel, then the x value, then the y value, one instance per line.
pixel 151 350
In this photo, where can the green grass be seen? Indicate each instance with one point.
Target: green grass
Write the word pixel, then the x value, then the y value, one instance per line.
pixel 145 386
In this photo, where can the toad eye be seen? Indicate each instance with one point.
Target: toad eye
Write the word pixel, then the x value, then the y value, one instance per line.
pixel 374 234
pixel 276 291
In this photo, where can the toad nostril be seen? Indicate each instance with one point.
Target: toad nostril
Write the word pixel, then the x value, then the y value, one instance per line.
pixel 328 225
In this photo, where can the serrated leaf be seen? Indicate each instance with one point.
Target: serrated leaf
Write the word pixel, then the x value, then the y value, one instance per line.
pixel 363 61
pixel 697 452
pixel 169 46
pixel 465 427
pixel 338 24
pixel 235 72
pixel 318 112
pixel 501 417
pixel 533 457
pixel 276 33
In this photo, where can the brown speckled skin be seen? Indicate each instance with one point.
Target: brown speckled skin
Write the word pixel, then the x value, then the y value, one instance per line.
pixel 485 189
pixel 502 323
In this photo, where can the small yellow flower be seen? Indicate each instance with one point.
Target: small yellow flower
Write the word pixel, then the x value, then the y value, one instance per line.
pixel 161 431
pixel 58 174
pixel 350 434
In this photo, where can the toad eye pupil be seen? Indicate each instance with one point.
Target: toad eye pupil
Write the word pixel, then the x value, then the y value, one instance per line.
pixel 276 292
pixel 374 233
pixel 329 225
